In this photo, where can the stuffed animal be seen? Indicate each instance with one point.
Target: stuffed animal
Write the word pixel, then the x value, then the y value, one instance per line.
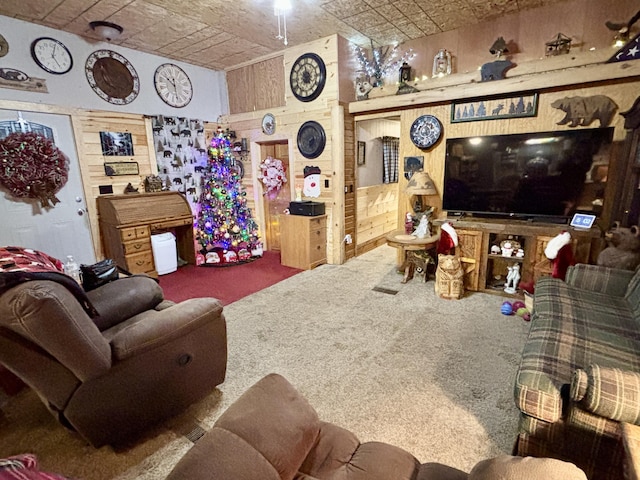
pixel 623 250
pixel 363 87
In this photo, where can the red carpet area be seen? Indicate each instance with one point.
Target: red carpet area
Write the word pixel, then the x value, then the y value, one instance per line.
pixel 227 284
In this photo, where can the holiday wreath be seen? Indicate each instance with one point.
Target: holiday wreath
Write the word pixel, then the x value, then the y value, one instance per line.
pixel 272 175
pixel 32 166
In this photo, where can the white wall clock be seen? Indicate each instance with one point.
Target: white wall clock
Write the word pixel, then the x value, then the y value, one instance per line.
pixel 269 124
pixel 112 77
pixel 173 85
pixel 51 55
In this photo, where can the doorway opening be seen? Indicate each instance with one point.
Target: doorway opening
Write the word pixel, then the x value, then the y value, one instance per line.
pixel 276 203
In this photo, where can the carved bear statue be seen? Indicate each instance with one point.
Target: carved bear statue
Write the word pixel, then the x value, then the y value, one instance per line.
pixel 623 250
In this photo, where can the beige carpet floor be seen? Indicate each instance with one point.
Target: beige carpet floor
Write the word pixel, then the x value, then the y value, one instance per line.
pixel 429 375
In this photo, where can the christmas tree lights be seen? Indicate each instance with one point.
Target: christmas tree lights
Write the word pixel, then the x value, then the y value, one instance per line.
pixel 225 230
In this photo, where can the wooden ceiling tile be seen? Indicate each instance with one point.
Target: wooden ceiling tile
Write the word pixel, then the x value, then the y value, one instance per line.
pixel 67 11
pixel 409 8
pixel 34 9
pixel 344 8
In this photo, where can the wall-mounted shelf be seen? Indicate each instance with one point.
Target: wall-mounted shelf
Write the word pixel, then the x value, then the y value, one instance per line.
pixel 560 71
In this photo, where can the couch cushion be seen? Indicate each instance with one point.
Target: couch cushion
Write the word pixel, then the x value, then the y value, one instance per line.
pixel 633 294
pixel 571 328
pixel 525 468
pixel 266 434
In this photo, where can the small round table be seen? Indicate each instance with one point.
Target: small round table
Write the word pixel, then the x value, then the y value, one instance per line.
pixel 405 243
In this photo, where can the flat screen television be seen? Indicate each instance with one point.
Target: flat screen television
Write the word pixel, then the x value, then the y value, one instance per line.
pixel 543 176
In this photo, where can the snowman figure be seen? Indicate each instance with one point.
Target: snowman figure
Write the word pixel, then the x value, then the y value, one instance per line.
pixel 311 186
pixel 513 277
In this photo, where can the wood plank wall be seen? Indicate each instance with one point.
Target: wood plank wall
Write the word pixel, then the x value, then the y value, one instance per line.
pixel 350 185
pixel 257 86
pixel 623 93
pixel 328 113
pixel 377 213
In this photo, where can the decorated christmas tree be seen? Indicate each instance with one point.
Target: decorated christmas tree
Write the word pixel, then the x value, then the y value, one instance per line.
pixel 225 230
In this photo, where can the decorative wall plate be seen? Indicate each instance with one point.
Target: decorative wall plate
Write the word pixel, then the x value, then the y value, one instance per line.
pixel 311 139
pixel 269 124
pixel 112 77
pixel 173 85
pixel 307 77
pixel 51 55
pixel 4 46
pixel 425 131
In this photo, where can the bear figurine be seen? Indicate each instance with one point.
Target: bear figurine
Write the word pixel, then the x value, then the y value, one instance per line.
pixel 623 250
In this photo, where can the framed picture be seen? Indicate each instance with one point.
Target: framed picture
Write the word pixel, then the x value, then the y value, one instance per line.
pixel 116 144
pixel 362 147
pixel 412 165
pixel 494 108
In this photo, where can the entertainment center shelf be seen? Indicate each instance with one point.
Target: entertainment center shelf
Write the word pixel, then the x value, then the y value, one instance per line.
pixel 476 236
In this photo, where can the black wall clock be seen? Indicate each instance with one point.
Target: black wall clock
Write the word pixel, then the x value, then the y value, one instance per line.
pixel 308 76
pixel 425 131
pixel 51 55
pixel 311 139
pixel 173 85
pixel 112 77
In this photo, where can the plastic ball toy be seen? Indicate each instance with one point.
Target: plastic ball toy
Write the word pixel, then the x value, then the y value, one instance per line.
pixel 517 305
pixel 506 308
pixel 521 312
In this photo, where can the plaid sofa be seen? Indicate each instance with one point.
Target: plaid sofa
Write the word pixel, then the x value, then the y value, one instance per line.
pixel 579 375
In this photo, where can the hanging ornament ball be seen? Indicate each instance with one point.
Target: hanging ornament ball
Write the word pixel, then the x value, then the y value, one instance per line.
pixel 227 235
pixel 235 229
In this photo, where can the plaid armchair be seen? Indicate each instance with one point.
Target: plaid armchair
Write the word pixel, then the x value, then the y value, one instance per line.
pixel 579 375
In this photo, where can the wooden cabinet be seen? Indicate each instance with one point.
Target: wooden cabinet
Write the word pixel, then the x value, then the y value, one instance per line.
pixel 303 241
pixel 487 272
pixel 128 221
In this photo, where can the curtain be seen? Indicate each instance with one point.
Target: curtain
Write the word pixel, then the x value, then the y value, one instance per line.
pixel 390 149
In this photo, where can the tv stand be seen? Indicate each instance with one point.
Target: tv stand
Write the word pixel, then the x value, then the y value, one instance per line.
pixel 486 272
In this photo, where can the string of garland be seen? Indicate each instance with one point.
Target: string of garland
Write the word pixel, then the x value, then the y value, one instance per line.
pixel 32 166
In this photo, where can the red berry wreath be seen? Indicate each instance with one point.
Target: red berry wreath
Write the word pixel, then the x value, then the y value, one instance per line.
pixel 32 166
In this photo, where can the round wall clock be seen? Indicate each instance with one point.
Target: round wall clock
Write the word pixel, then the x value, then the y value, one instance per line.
pixel 308 76
pixel 4 46
pixel 112 77
pixel 51 55
pixel 269 124
pixel 425 131
pixel 311 139
pixel 173 85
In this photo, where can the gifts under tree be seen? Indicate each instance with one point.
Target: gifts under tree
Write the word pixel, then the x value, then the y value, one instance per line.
pixel 226 232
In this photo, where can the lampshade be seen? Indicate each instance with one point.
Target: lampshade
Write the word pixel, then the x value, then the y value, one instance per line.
pixel 421 184
pixel 107 30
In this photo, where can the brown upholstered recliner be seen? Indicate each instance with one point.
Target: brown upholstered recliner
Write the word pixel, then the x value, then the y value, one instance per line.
pixel 139 361
pixel 272 433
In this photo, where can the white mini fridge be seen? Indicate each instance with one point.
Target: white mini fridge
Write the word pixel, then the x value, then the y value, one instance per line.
pixel 165 255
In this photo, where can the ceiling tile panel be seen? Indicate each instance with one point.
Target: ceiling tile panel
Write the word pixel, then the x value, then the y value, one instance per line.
pixel 408 7
pixel 344 8
pixel 410 29
pixel 66 11
pixel 365 21
pixel 35 9
pixel 389 12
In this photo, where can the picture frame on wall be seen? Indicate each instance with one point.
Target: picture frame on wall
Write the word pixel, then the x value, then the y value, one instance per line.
pixel 116 144
pixel 495 108
pixel 362 148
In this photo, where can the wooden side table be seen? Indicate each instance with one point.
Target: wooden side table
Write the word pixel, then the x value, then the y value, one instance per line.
pixel 405 243
pixel 631 440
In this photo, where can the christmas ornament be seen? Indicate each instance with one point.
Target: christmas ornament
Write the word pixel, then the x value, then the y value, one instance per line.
pixel 32 166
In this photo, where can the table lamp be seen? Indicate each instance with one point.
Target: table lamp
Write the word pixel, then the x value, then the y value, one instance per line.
pixel 420 184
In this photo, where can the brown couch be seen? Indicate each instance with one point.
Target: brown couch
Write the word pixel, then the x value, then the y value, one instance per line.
pixel 272 433
pixel 110 376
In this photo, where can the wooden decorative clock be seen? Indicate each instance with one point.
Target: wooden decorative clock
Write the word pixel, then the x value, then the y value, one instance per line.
pixel 173 85
pixel 308 76
pixel 112 77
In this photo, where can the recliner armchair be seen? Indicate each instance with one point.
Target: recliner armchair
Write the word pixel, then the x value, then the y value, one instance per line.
pixel 140 360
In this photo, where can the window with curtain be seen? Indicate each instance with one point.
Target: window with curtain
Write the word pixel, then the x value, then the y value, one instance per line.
pixel 390 149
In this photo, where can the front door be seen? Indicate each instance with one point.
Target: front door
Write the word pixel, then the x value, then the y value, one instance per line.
pixel 58 231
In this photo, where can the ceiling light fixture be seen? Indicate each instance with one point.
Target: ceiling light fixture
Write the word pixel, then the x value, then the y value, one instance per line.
pixel 107 30
pixel 280 10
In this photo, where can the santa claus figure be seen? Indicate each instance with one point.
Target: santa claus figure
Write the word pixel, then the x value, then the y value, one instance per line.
pixel 448 239
pixel 560 252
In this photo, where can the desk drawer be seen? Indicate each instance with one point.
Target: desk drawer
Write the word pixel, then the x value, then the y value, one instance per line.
pixel 131 233
pixel 136 246
pixel 140 262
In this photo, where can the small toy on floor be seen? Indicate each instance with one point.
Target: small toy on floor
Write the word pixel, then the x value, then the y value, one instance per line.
pixel 518 308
